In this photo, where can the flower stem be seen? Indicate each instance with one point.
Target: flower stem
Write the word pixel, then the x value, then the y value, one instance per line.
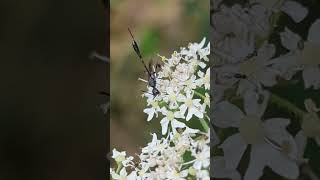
pixel 283 103
pixel 204 125
pixel 199 94
pixel 119 167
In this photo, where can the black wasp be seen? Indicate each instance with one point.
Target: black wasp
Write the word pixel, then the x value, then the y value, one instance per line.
pixel 152 79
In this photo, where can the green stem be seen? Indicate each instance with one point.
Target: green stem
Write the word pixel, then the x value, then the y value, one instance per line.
pixel 119 166
pixel 204 125
pixel 199 94
pixel 285 104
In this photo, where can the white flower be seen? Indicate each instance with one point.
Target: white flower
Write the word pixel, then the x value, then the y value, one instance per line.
pixel 206 101
pixel 271 144
pixel 253 72
pixel 292 8
pixel 202 158
pixel 192 105
pixel 175 58
pixel 304 55
pixel 175 175
pixel 123 175
pixel 171 97
pixel 190 84
pixel 128 162
pixel 203 53
pixel 170 117
pixel 193 49
pixel 118 156
pixel 204 79
pixel 203 175
pixel 182 72
pixel 311 123
pixel 152 110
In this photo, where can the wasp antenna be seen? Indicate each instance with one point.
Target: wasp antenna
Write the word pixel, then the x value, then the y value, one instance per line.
pixel 135 45
pixel 131 34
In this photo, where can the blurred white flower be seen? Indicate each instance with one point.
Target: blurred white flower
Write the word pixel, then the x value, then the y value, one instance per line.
pixel 218 169
pixel 311 123
pixel 252 72
pixel 292 8
pixel 295 10
pixel 271 144
pixel 303 56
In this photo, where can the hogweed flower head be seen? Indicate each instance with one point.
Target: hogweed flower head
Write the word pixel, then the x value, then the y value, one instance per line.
pixel 183 152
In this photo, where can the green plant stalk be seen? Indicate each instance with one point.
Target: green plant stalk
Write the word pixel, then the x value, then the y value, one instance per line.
pixel 199 94
pixel 119 166
pixel 204 125
pixel 285 104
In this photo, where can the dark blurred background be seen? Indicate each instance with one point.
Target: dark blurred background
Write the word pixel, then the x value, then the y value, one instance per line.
pixel 51 126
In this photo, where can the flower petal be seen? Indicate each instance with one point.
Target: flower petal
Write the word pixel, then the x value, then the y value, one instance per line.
pixel 196 112
pixel 289 39
pixel 276 131
pixel 295 10
pixel 314 30
pixel 233 148
pixel 256 164
pixel 226 115
pixel 177 124
pixel 253 104
pixel 301 141
pixel 219 170
pixel 164 124
pixel 311 77
pixel 267 77
pixel 183 109
pixel 264 155
pixel 266 52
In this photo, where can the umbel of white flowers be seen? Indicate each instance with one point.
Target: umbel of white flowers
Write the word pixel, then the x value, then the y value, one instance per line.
pixel 182 151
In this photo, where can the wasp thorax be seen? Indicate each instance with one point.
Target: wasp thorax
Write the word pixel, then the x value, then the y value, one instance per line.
pixel 251 130
pixel 155 91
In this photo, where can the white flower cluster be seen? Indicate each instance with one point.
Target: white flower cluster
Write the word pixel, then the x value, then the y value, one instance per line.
pixel 175 157
pixel 246 66
pixel 184 150
pixel 184 84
